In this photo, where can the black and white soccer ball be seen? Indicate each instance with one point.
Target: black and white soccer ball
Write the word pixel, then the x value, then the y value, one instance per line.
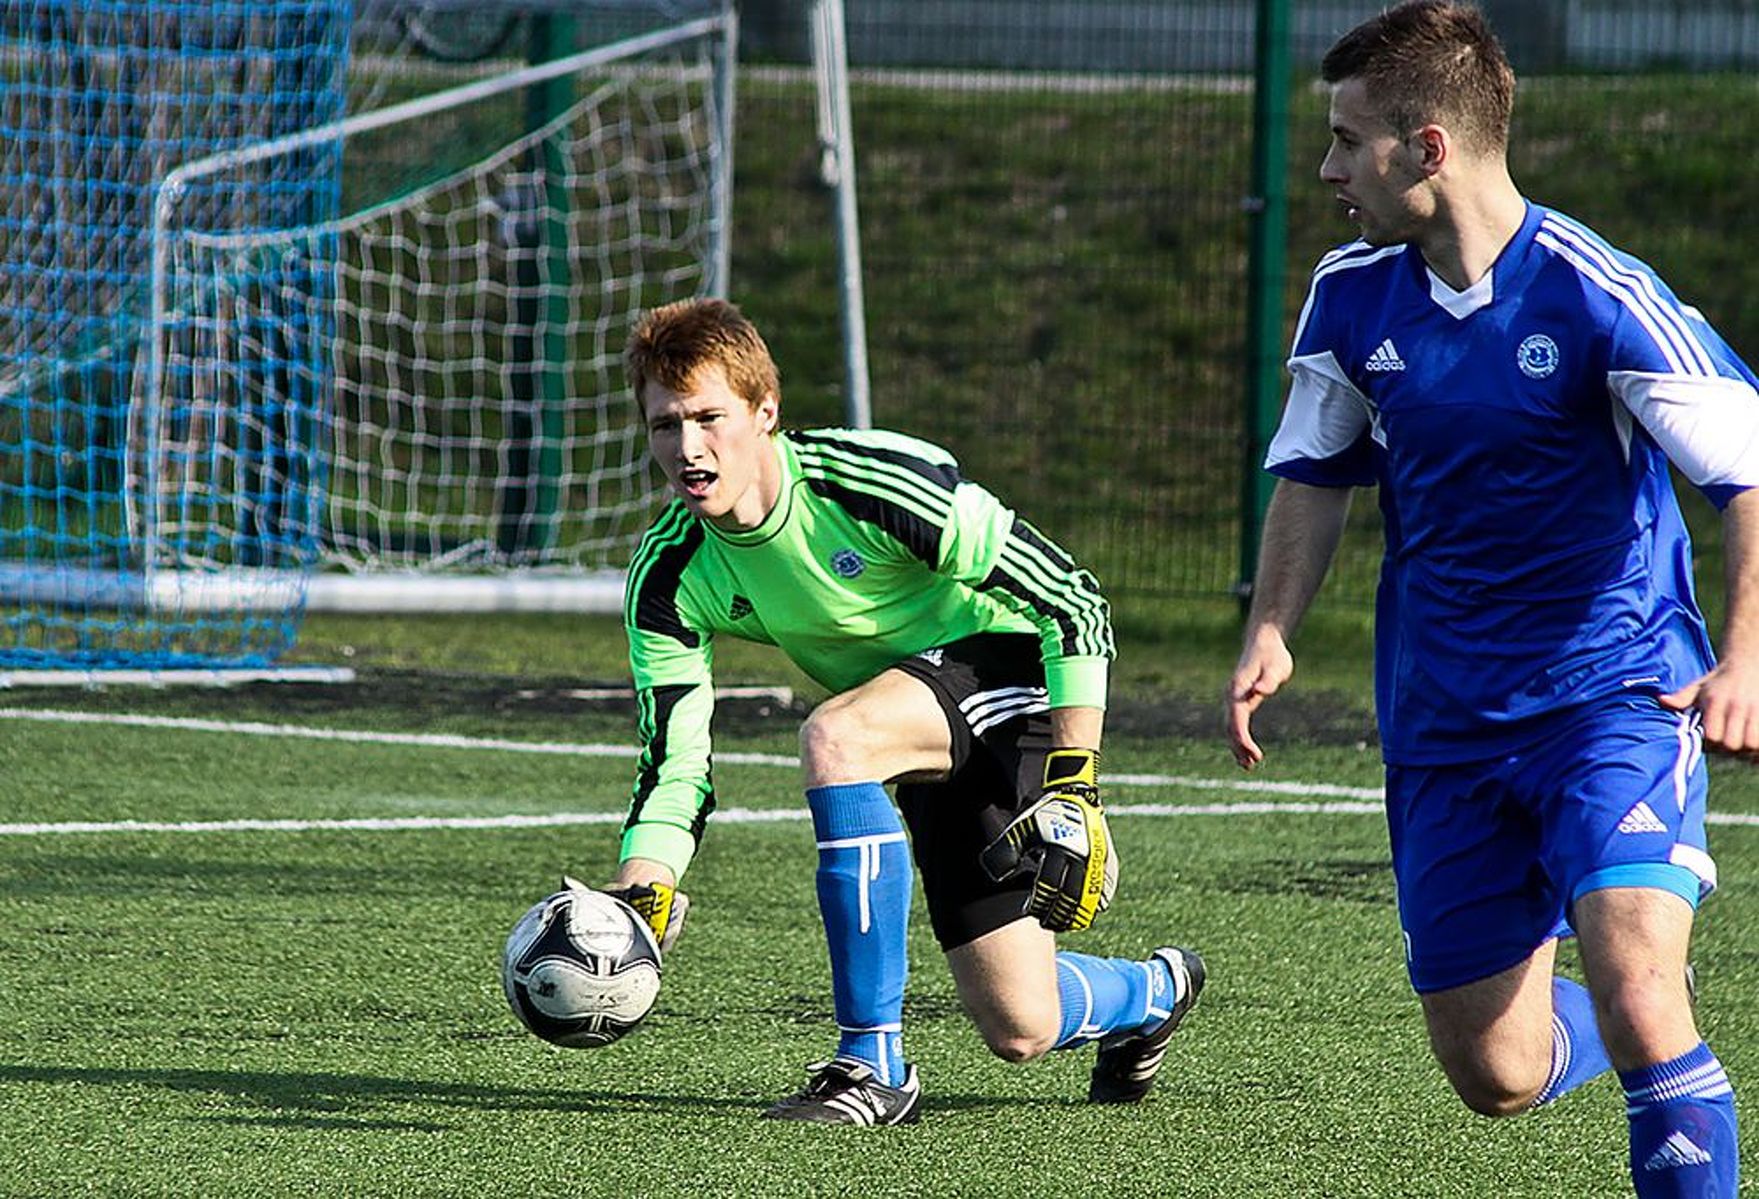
pixel 581 968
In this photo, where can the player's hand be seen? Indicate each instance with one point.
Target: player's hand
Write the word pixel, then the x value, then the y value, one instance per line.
pixel 660 904
pixel 1727 700
pixel 1265 665
pixel 1063 838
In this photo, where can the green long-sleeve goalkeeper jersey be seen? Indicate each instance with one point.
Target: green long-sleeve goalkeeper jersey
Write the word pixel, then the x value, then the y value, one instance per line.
pixel 876 549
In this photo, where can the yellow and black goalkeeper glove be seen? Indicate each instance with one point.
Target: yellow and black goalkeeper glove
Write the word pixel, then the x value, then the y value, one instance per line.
pixel 1063 838
pixel 662 906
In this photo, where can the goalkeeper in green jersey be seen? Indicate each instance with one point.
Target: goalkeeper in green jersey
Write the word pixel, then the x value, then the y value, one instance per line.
pixel 967 655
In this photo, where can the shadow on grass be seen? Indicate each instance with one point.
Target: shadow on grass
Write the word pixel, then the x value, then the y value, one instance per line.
pixel 1353 880
pixel 331 1102
pixel 322 1123
pixel 303 1097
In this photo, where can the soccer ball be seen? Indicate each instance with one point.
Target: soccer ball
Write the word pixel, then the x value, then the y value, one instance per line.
pixel 581 968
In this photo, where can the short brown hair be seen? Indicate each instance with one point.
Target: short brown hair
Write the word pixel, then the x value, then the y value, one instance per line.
pixel 1431 61
pixel 673 342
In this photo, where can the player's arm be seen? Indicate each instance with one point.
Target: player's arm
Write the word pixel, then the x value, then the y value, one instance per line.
pixel 987 546
pixel 1302 528
pixel 670 663
pixel 633 871
pixel 1699 404
pixel 1078 727
pixel 963 532
pixel 672 796
pixel 1062 837
pixel 1323 447
pixel 1728 697
pixel 673 792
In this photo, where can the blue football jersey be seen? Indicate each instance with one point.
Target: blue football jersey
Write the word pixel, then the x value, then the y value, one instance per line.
pixel 1519 432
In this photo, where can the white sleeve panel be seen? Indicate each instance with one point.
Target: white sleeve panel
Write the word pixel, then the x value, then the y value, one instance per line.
pixel 1707 425
pixel 1325 415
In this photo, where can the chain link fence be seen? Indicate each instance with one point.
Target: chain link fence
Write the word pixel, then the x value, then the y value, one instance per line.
pixel 1055 234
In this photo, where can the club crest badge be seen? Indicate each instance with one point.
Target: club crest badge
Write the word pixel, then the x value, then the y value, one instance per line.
pixel 847 563
pixel 1537 356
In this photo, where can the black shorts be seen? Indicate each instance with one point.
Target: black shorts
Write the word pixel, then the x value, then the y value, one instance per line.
pixel 991 687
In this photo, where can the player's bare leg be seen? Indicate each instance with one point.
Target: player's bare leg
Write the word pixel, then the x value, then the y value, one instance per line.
pixel 890 728
pixel 1026 999
pixel 850 746
pixel 1680 1106
pixel 1007 980
pixel 1493 1037
pixel 1634 943
pixel 1678 1101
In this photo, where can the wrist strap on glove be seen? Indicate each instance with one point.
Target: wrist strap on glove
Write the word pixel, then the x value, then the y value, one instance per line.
pixel 1069 769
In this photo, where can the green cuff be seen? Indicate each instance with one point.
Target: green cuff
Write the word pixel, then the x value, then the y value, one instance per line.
pixel 667 844
pixel 1077 682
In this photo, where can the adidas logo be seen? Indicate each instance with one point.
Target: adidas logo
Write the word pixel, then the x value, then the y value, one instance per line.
pixel 1385 358
pixel 1676 1152
pixel 1641 819
pixel 739 609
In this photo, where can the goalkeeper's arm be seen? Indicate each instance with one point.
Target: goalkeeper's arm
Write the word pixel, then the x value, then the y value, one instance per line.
pixel 1077 727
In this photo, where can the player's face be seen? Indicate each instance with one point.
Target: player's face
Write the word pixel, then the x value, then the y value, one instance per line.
pixel 1372 170
pixel 715 449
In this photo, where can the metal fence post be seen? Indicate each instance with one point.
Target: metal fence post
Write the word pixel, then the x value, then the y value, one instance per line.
pixel 726 60
pixel 1267 254
pixel 836 139
pixel 538 250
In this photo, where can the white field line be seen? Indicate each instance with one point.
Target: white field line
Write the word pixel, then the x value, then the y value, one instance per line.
pixel 568 749
pixel 388 824
pixel 1353 801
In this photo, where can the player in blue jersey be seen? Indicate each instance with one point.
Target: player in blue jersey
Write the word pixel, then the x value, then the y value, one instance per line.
pixel 1516 388
pixel 967 656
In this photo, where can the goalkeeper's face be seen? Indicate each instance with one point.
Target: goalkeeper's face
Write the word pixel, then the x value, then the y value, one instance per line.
pixel 716 449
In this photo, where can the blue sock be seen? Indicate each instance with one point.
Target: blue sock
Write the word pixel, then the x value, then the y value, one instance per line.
pixel 1682 1115
pixel 864 895
pixel 1102 996
pixel 1576 1050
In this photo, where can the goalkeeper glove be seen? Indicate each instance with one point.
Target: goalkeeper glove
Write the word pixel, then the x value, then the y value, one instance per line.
pixel 662 906
pixel 1063 838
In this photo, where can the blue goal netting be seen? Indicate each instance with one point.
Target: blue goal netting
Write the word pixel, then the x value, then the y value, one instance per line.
pixel 101 101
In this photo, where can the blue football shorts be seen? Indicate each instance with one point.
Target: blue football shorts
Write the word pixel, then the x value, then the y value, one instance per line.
pixel 1489 856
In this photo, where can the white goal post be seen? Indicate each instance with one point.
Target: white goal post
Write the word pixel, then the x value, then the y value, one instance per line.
pixel 470 445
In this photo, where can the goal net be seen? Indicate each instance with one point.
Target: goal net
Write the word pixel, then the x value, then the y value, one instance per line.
pixel 97 101
pixel 422 396
pixel 256 352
